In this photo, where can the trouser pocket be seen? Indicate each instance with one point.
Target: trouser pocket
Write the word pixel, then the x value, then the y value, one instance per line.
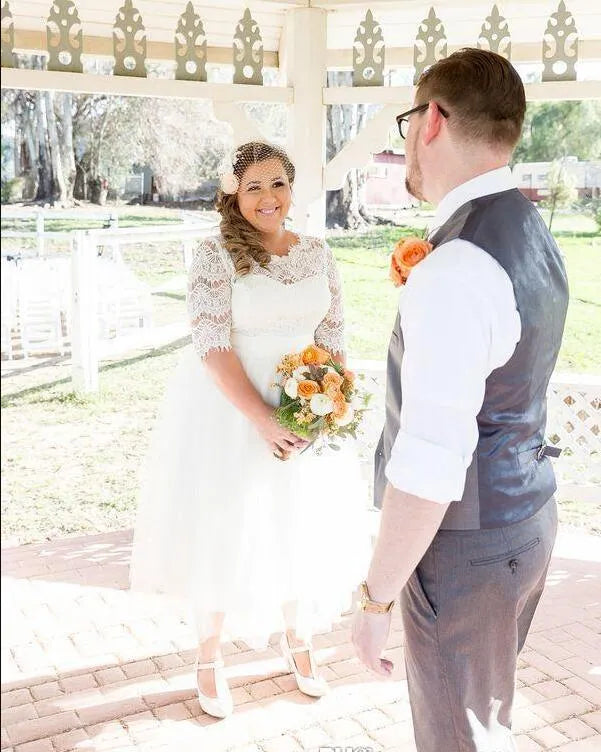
pixel 418 594
pixel 506 554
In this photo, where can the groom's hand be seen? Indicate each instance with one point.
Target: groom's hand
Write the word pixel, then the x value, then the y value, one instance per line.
pixel 369 635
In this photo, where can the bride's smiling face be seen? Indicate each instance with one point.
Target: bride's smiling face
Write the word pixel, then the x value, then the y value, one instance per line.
pixel 264 195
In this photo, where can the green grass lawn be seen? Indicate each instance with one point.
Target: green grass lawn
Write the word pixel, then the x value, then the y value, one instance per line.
pixel 70 465
pixel 581 349
pixel 370 299
pixel 139 218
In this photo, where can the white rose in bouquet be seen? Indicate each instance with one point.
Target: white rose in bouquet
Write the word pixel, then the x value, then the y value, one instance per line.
pixel 291 388
pixel 321 404
pixel 301 373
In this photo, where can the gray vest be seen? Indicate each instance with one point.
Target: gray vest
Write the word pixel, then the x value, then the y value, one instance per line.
pixel 510 476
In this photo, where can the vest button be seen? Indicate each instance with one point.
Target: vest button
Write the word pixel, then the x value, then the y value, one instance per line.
pixel 513 565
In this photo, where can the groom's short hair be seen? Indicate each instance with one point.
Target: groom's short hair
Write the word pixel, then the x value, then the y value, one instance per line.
pixel 483 93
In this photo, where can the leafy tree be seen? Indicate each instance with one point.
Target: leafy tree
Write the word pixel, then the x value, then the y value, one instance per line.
pixel 561 190
pixel 558 129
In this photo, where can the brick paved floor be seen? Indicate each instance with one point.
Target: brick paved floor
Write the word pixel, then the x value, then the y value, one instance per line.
pixel 88 666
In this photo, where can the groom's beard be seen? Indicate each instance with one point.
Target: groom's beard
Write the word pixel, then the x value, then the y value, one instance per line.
pixel 412 189
pixel 414 179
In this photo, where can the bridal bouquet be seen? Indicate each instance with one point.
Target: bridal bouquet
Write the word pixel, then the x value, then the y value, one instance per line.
pixel 320 400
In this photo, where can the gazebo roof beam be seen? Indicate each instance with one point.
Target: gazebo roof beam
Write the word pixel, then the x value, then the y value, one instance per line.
pixel 87 83
pixel 521 52
pixel 102 46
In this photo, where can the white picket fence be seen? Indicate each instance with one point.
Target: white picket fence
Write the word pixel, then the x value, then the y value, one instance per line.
pixel 85 292
pixel 52 304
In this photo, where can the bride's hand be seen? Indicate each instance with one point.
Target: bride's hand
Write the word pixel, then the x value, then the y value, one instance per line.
pixel 281 441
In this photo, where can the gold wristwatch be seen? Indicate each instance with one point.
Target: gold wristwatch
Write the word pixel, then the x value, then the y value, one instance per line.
pixel 372 607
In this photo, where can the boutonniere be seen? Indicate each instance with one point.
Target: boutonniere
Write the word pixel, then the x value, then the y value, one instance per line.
pixel 406 254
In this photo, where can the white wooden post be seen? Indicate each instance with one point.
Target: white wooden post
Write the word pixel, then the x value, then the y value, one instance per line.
pixel 303 59
pixel 188 254
pixel 116 246
pixel 84 314
pixel 39 228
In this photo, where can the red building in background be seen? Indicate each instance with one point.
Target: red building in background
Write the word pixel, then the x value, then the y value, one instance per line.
pixel 385 185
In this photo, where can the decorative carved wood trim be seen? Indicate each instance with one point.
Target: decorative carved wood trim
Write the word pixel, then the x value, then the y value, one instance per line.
pixel 560 46
pixel 64 37
pixel 494 35
pixel 8 37
pixel 248 52
pixel 430 44
pixel 129 42
pixel 368 53
pixel 190 47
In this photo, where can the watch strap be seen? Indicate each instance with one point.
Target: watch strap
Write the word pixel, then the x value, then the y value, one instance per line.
pixel 373 607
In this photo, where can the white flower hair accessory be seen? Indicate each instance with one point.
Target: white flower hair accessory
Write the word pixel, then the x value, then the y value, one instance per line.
pixel 228 180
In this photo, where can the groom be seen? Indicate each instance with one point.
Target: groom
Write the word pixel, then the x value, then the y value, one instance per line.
pixel 463 475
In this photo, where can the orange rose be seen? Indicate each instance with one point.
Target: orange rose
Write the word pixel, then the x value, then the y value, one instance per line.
pixel 406 254
pixel 340 407
pixel 314 356
pixel 307 388
pixel 331 379
pixel 333 392
pixel 349 376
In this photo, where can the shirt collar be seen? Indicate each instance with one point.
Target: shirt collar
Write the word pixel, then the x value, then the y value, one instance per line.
pixel 493 181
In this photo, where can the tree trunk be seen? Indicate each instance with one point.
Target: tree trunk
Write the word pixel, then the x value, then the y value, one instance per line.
pixel 553 205
pixel 66 144
pixel 343 207
pixel 43 161
pixel 98 185
pixel 59 188
pixel 80 185
pixel 29 158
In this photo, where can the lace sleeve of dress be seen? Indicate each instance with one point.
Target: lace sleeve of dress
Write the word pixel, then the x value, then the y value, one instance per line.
pixel 209 298
pixel 330 332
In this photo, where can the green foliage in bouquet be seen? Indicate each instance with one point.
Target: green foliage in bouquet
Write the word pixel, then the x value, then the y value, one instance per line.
pixel 288 411
pixel 285 416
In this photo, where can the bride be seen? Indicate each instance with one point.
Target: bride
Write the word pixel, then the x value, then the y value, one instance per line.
pixel 254 544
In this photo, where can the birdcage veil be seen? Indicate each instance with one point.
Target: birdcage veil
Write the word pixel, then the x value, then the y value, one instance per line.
pixel 236 161
pixel 240 238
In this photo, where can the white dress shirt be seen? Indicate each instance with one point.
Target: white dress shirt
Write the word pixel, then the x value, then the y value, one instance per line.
pixel 459 322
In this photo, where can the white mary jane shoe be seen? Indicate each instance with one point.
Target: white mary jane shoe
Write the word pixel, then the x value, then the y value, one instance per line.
pixel 222 705
pixel 313 685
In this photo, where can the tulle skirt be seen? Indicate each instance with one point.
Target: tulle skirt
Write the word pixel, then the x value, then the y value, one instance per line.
pixel 226 527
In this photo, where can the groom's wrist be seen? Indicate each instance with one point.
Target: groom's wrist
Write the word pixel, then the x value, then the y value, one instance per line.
pixel 379 591
pixel 373 603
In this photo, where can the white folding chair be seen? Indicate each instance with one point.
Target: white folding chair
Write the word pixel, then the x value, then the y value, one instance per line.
pixel 40 308
pixel 8 315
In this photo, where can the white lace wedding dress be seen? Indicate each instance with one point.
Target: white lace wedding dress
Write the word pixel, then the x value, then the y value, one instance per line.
pixel 221 522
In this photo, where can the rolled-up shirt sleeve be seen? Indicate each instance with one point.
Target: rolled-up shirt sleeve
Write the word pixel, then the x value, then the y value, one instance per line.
pixel 449 319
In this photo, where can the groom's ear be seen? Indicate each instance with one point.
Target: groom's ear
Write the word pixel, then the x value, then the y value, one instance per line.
pixel 433 124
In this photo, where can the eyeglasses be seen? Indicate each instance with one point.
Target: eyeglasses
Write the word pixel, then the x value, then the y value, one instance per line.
pixel 402 120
